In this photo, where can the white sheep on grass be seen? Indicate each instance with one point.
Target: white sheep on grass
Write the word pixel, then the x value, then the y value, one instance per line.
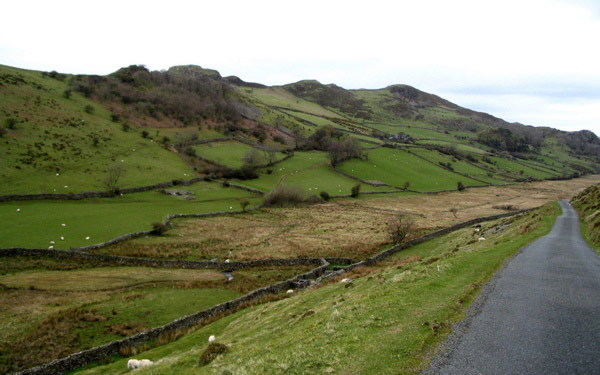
pixel 133 364
pixel 481 239
pixel 212 338
pixel 290 291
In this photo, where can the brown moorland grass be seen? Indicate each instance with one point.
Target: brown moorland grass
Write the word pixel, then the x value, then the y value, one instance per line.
pixel 41 315
pixel 346 228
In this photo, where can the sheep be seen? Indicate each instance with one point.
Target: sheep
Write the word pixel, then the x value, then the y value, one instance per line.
pixel 50 247
pixel 226 260
pixel 346 281
pixel 481 239
pixel 87 238
pixel 62 238
pixel 290 291
pixel 52 242
pixel 212 338
pixel 63 225
pixel 18 210
pixel 132 364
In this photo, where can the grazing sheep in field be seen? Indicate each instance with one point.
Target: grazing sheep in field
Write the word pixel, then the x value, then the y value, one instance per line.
pixel 212 338
pixel 145 363
pixel 346 281
pixel 226 260
pixel 290 291
pixel 481 239
pixel 132 364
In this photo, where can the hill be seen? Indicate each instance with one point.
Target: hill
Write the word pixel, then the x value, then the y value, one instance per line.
pixel 147 174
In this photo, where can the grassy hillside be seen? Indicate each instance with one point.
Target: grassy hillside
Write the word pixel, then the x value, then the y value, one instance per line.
pixel 64 145
pixel 587 204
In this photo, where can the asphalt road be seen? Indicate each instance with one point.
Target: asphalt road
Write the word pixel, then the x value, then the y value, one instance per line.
pixel 539 315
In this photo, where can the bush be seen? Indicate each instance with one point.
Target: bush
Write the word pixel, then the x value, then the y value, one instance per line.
pixel 159 228
pixel 145 134
pixel 460 186
pixel 399 229
pixel 325 196
pixel 284 195
pixel 3 132
pixel 67 93
pixel 115 117
pixel 243 204
pixel 355 191
pixel 406 185
pixel 313 199
pixel 126 127
pixel 10 122
pixel 88 109
pixel 189 150
pixel 213 350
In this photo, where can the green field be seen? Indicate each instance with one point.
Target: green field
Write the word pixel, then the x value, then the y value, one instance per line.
pixel 521 170
pixel 279 97
pixel 460 166
pixel 396 167
pixel 308 170
pixel 37 223
pixel 230 153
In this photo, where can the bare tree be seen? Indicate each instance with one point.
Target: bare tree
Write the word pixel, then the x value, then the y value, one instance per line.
pixel 253 158
pixel 453 211
pixel 111 180
pixel 270 154
pixel 399 228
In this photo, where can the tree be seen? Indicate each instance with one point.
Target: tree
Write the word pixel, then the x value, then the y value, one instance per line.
pixel 399 228
pixel 270 154
pixel 253 158
pixel 355 191
pixel 453 211
pixel 460 186
pixel 244 204
pixel 112 179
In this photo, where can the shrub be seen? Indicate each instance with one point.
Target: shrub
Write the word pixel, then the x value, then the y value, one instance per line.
pixel 399 228
pixel 115 117
pixel 88 109
pixel 159 228
pixel 95 141
pixel 67 93
pixel 145 134
pixel 284 195
pixel 355 191
pixel 125 127
pixel 3 132
pixel 213 350
pixel 166 140
pixel 460 186
pixel 325 196
pixel 10 122
pixel 313 199
pixel 243 204
pixel 406 185
pixel 453 211
pixel 189 150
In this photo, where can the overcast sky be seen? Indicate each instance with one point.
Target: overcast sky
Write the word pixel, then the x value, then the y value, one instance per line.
pixel 531 61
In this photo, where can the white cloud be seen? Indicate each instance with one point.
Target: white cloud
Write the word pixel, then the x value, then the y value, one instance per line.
pixel 538 46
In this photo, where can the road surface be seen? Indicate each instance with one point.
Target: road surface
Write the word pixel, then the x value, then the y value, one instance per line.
pixel 539 315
